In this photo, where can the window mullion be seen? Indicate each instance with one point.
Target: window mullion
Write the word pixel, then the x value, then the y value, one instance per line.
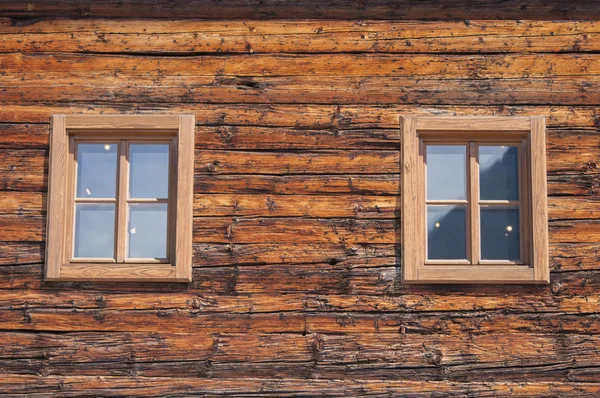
pixel 524 201
pixel 473 176
pixel 122 203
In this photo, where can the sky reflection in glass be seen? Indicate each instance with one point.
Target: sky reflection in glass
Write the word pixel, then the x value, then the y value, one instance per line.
pixel 149 171
pixel 147 230
pixel 446 172
pixel 94 230
pixel 96 170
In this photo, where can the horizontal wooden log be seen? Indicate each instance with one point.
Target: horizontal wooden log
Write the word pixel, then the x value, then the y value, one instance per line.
pixel 294 230
pixel 309 90
pixel 314 116
pixel 575 231
pixel 563 256
pixel 240 137
pixel 24 136
pixel 333 36
pixel 297 205
pixel 23 169
pixel 45 311
pixel 114 386
pixel 574 256
pixel 17 253
pixel 558 185
pixel 283 370
pixel 255 137
pixel 278 163
pixel 572 208
pixel 573 184
pixel 197 70
pixel 310 9
pixel 166 310
pixel 419 353
pixel 22 203
pixel 317 286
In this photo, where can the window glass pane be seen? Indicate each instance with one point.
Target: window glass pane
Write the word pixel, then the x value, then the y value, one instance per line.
pixel 446 233
pixel 148 230
pixel 94 230
pixel 446 172
pixel 96 170
pixel 499 172
pixel 149 170
pixel 500 234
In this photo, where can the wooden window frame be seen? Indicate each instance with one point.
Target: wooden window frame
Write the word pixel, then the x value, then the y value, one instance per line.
pixel 64 130
pixel 531 133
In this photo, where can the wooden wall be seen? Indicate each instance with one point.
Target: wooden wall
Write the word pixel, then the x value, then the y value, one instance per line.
pixel 297 281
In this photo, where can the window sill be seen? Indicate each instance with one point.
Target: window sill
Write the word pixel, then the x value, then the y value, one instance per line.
pixel 470 274
pixel 102 272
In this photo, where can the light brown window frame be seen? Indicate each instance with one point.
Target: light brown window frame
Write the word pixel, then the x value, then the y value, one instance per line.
pixel 179 131
pixel 530 132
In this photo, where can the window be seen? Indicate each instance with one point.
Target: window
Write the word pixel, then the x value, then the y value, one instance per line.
pixel 474 200
pixel 120 198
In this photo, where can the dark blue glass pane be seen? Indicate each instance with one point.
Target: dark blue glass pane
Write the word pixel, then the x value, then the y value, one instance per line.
pixel 446 233
pixel 499 172
pixel 500 238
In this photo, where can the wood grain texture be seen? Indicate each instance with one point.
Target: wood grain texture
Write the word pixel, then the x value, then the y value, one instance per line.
pixel 297 259
pixel 57 197
pixel 283 36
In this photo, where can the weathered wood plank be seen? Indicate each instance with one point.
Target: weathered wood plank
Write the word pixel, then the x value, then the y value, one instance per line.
pixel 22 203
pixel 574 256
pixel 296 205
pixel 113 386
pixel 337 36
pixel 294 230
pixel 279 163
pixel 17 253
pixel 255 137
pixel 194 70
pixel 456 355
pixel 313 116
pixel 311 89
pixel 240 137
pixel 307 285
pixel 168 311
pixel 563 256
pixel 38 311
pixel 22 136
pixel 575 231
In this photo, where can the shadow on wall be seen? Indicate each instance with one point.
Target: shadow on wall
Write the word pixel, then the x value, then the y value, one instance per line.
pixel 25 12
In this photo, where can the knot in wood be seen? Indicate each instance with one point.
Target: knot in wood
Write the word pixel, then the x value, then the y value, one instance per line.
pixel 433 356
